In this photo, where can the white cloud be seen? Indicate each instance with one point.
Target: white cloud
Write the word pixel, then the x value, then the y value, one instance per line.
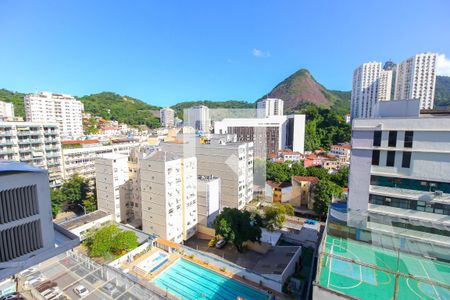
pixel 260 53
pixel 442 65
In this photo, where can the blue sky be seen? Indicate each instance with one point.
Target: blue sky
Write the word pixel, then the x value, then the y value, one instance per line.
pixel 165 52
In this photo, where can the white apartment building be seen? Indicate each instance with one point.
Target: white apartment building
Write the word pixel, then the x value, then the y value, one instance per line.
pixel 198 118
pixel 208 199
pixel 343 150
pixel 62 109
pixel 400 173
pixel 225 158
pixel 111 173
pixel 169 195
pixel 6 111
pixel 33 143
pixel 269 134
pixel 269 107
pixel 27 233
pixel 370 84
pixel 167 117
pixel 82 160
pixel 416 79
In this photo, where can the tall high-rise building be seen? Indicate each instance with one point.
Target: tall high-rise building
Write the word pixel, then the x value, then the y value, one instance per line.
pixel 56 108
pixel 35 144
pixel 400 172
pixel 198 117
pixel 27 233
pixel 269 107
pixel 111 174
pixel 6 111
pixel 169 195
pixel 167 117
pixel 416 79
pixel 370 84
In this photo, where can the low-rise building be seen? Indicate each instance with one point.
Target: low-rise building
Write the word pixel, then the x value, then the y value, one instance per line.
pixel 278 192
pixel 289 155
pixel 303 191
pixel 81 159
pixel 33 143
pixel 342 150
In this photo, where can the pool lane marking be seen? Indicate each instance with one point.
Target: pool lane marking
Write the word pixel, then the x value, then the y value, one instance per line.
pixel 435 291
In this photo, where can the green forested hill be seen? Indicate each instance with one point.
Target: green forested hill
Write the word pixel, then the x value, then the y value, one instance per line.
pixel 14 98
pixel 235 104
pixel 124 109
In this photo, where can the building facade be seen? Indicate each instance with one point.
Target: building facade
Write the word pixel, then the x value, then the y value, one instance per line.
pixel 416 79
pixel 169 195
pixel 33 143
pixel 198 118
pixel 231 161
pixel 208 199
pixel 111 174
pixel 62 109
pixel 82 160
pixel 400 173
pixel 167 117
pixel 6 111
pixel 268 134
pixel 269 107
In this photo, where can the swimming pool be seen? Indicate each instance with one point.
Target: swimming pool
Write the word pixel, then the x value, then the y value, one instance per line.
pixel 153 262
pixel 188 280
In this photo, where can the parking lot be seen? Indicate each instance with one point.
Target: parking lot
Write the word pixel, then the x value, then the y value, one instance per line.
pixel 66 273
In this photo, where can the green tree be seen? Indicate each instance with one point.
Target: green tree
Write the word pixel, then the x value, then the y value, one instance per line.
pixel 109 239
pixel 124 240
pixel 238 226
pixel 323 195
pixel 341 176
pixel 57 200
pixel 275 215
pixel 75 189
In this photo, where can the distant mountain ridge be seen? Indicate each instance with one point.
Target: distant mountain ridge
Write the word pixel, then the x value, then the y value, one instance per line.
pixel 301 87
pixel 297 89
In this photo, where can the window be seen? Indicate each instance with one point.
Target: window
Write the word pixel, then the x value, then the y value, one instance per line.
pixel 392 139
pixel 408 139
pixel 406 160
pixel 375 157
pixel 390 161
pixel 377 138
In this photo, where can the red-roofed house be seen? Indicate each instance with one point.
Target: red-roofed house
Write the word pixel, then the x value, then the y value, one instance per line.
pixel 278 191
pixel 342 150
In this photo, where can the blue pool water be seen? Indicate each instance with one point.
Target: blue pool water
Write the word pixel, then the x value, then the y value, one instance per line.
pixel 188 280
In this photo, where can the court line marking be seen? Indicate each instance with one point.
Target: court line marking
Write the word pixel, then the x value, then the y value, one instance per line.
pixel 435 291
pixel 331 260
pixel 407 283
pixel 331 268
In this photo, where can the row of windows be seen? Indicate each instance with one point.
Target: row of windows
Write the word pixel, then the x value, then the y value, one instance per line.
pixel 392 139
pixel 410 184
pixel 390 158
pixel 437 208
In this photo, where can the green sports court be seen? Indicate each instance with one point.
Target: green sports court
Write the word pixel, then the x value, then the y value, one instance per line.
pixel 372 283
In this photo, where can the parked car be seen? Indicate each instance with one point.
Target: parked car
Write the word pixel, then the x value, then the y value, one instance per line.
pixel 81 290
pixel 10 296
pixel 220 244
pixel 110 288
pixel 35 279
pixel 28 272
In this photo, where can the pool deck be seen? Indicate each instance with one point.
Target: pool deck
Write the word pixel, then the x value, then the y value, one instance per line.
pixel 130 266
